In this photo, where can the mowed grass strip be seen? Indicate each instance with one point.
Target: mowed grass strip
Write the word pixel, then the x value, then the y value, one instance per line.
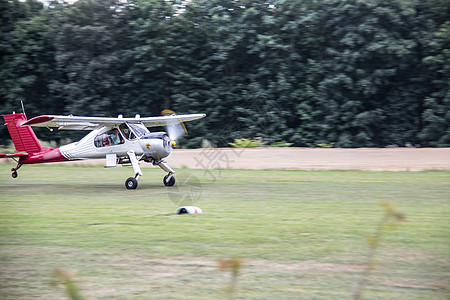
pixel 301 235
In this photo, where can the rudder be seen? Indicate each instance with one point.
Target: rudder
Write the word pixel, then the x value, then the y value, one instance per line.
pixel 23 138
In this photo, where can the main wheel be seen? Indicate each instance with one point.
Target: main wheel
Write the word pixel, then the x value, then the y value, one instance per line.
pixel 169 180
pixel 131 183
pixel 14 174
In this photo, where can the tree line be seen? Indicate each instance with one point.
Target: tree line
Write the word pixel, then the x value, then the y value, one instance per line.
pixel 351 73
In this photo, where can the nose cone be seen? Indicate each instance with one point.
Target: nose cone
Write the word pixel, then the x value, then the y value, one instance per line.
pixel 156 146
pixel 167 143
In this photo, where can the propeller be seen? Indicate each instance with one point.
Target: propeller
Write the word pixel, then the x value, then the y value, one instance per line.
pixel 176 130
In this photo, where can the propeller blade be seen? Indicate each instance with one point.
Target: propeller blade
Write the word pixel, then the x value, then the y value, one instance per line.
pixel 176 130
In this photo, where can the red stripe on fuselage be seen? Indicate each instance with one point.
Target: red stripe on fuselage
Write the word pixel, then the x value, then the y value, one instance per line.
pixel 49 155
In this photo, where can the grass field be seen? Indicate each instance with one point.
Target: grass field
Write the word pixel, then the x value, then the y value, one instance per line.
pixel 300 235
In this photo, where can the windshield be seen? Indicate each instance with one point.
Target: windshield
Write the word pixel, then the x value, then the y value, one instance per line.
pixel 139 129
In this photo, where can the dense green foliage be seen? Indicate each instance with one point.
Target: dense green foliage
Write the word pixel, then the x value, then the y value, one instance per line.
pixel 351 72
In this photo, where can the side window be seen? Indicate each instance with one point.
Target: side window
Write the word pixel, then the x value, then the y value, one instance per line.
pixel 110 138
pixel 127 133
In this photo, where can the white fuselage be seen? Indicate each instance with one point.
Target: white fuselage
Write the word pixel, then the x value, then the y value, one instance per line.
pixel 90 146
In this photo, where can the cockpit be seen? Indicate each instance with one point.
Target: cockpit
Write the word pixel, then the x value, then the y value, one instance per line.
pixel 116 136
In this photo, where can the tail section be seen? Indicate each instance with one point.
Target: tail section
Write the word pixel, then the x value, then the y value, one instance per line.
pixel 23 138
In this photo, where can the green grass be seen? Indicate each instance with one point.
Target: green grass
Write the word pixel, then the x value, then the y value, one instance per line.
pixel 301 235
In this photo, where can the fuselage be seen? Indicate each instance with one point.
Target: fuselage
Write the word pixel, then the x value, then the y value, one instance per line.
pixel 118 139
pixel 46 155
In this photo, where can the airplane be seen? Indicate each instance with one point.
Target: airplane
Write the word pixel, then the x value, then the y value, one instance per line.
pixel 120 140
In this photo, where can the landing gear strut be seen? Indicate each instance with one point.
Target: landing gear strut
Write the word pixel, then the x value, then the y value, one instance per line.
pixel 168 180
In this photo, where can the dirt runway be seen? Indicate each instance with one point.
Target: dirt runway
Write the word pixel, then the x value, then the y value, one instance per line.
pixel 385 159
pixel 372 159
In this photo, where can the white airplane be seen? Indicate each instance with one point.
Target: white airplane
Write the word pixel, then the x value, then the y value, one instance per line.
pixel 120 140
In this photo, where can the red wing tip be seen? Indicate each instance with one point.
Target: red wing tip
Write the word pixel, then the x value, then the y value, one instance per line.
pixel 37 120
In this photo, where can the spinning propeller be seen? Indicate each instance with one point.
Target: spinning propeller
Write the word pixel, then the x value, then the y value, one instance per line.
pixel 176 130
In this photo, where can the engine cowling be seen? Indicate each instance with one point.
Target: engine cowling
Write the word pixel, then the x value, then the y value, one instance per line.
pixel 156 145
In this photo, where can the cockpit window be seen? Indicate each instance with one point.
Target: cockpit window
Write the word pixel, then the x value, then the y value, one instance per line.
pixel 127 133
pixel 110 138
pixel 139 129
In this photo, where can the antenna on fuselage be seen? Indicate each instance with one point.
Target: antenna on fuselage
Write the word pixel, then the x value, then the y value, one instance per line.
pixel 23 108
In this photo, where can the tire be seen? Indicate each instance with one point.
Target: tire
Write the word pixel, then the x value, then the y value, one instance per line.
pixel 14 174
pixel 169 180
pixel 131 183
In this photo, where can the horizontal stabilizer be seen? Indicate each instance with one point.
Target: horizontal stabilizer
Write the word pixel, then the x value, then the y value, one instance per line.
pixel 13 155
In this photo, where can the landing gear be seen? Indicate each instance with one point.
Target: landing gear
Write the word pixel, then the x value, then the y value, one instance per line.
pixel 131 183
pixel 169 180
pixel 14 171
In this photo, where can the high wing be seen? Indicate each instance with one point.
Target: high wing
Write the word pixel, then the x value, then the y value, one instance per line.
pixel 90 123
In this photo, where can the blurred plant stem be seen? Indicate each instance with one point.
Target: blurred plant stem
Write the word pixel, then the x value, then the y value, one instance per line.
pixel 72 289
pixel 233 266
pixel 391 218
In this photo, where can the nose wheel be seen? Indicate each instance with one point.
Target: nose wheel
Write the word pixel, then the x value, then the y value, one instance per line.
pixel 169 180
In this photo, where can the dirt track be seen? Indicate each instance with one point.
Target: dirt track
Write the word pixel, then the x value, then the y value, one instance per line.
pixel 388 159
pixel 374 159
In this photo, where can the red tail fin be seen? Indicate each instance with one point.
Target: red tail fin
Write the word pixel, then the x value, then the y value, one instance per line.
pixel 23 138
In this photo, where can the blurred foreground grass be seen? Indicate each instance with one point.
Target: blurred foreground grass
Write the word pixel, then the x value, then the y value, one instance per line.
pixel 299 235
